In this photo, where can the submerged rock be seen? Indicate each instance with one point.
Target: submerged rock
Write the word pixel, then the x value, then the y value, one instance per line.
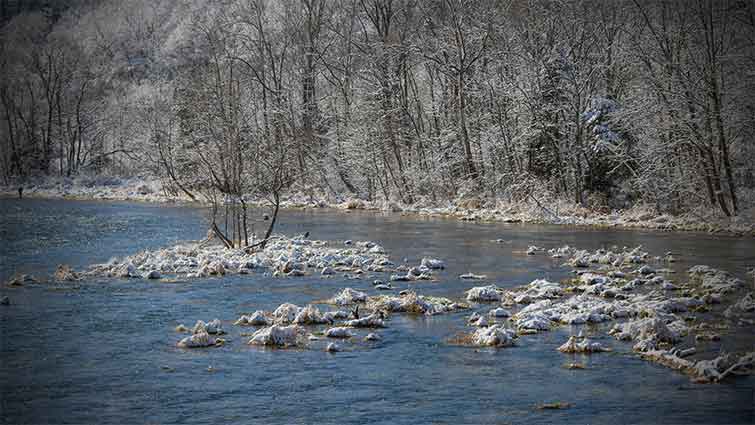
pixel 126 270
pixel 372 337
pixel 64 273
pixel 5 300
pixel 152 274
pixel 21 279
pixel 332 348
pixel 554 406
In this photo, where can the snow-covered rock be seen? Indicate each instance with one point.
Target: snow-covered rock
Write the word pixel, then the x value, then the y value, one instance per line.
pixel 494 336
pixel 745 305
pixel 281 257
pixel 286 313
pixel 374 320
pixel 433 263
pixel 647 332
pixel 349 296
pixel 277 336
pixel 258 318
pixel 594 279
pixel 338 332
pixel 532 250
pixel 488 293
pixel 499 312
pixel 645 270
pixel 717 369
pixel 410 302
pixel 717 281
pixel 310 315
pixel 536 321
pixel 581 345
pixel 198 340
pixel 213 327
pixel 539 289
pixel 472 276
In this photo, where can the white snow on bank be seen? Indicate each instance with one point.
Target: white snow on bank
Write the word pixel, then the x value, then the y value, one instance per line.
pixel 145 189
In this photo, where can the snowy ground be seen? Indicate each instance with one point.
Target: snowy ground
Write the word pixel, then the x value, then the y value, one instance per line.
pixel 95 188
pixel 555 212
pixel 569 214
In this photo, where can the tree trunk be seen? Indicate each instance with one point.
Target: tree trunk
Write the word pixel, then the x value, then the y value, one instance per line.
pixel 723 147
pixel 463 134
pixel 269 232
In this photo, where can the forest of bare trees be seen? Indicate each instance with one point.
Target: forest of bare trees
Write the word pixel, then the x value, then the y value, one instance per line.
pixel 604 103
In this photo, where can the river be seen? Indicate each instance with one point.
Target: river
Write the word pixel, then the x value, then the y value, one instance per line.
pixel 103 351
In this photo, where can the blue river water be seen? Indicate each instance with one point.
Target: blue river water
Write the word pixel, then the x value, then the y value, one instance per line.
pixel 103 351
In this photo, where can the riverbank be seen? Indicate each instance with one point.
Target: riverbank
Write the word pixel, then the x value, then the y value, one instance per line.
pixel 558 212
pixel 101 188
